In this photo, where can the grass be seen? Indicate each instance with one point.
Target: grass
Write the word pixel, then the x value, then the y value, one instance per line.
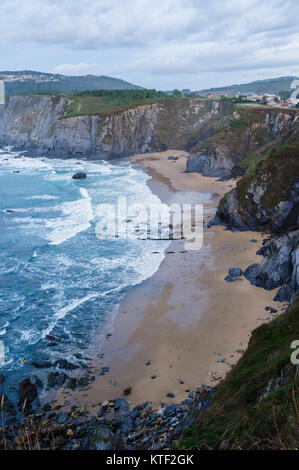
pixel 243 416
pixel 91 105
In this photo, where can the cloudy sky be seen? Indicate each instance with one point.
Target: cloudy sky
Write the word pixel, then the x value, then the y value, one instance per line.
pixel 163 44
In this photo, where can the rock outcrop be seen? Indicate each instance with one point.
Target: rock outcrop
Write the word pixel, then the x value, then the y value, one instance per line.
pixel 280 266
pixel 268 198
pixel 228 145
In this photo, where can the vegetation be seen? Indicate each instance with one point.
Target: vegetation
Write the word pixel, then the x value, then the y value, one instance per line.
pixel 105 102
pixel 274 86
pixel 256 406
pixel 281 168
pixel 35 82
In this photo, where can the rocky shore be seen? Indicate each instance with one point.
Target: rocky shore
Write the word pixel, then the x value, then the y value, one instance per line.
pixel 113 424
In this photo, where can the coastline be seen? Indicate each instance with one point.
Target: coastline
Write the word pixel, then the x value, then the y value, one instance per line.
pixel 185 322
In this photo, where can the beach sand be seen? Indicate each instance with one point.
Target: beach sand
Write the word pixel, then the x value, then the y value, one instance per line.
pixel 186 320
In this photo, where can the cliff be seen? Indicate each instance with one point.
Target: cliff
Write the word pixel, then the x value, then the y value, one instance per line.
pixel 219 135
pixel 37 124
pixel 268 198
pixel 239 140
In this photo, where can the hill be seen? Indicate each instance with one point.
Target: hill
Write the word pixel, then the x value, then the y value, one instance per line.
pixel 29 81
pixel 271 86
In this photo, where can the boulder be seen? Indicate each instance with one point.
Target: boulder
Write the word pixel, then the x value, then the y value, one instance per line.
pixel 121 404
pixel 284 294
pixel 234 272
pixel 64 364
pixel 103 438
pixel 79 176
pixel 41 364
pixel 27 391
pixel 52 379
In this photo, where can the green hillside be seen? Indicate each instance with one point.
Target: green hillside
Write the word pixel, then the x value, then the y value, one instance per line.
pixel 272 86
pixel 29 81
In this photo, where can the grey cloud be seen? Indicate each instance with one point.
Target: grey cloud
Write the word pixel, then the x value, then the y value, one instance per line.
pixel 156 37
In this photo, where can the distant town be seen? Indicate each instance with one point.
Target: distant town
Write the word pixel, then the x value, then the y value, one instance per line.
pixel 284 99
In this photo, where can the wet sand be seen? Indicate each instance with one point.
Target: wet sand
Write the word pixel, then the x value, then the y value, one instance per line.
pixel 186 321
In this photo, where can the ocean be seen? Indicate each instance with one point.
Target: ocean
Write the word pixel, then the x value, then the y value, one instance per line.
pixel 60 283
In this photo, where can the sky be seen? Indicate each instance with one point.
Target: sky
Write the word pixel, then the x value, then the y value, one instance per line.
pixel 162 44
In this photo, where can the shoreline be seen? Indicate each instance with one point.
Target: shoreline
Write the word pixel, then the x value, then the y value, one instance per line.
pixel 172 333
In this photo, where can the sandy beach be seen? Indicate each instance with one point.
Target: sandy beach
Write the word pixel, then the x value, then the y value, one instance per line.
pixel 185 326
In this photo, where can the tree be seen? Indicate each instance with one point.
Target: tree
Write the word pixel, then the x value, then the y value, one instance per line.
pixel 176 93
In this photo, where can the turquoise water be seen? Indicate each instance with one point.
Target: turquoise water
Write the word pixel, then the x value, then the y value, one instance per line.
pixel 57 277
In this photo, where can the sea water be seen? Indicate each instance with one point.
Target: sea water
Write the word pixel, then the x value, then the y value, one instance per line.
pixel 58 279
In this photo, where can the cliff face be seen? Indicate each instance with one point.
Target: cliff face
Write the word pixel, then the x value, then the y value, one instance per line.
pixel 240 138
pixel 268 198
pixel 280 267
pixel 218 135
pixel 36 124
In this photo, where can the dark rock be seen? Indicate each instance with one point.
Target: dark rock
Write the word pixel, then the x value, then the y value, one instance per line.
pixel 138 408
pixel 169 411
pixel 270 309
pixel 103 438
pixel 52 379
pixel 27 391
pixel 127 391
pixel 284 294
pixel 148 363
pixel 234 272
pixel 153 377
pixel 253 240
pixel 60 441
pixel 279 266
pixel 64 364
pixel 82 382
pixel 172 157
pixel 42 364
pixel 121 404
pixel 134 414
pixel 79 176
pixel 170 395
pixel 51 338
pixel 61 378
pixel 72 384
pixel 38 382
pixel 196 163
pixel 62 417
pixel 228 278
